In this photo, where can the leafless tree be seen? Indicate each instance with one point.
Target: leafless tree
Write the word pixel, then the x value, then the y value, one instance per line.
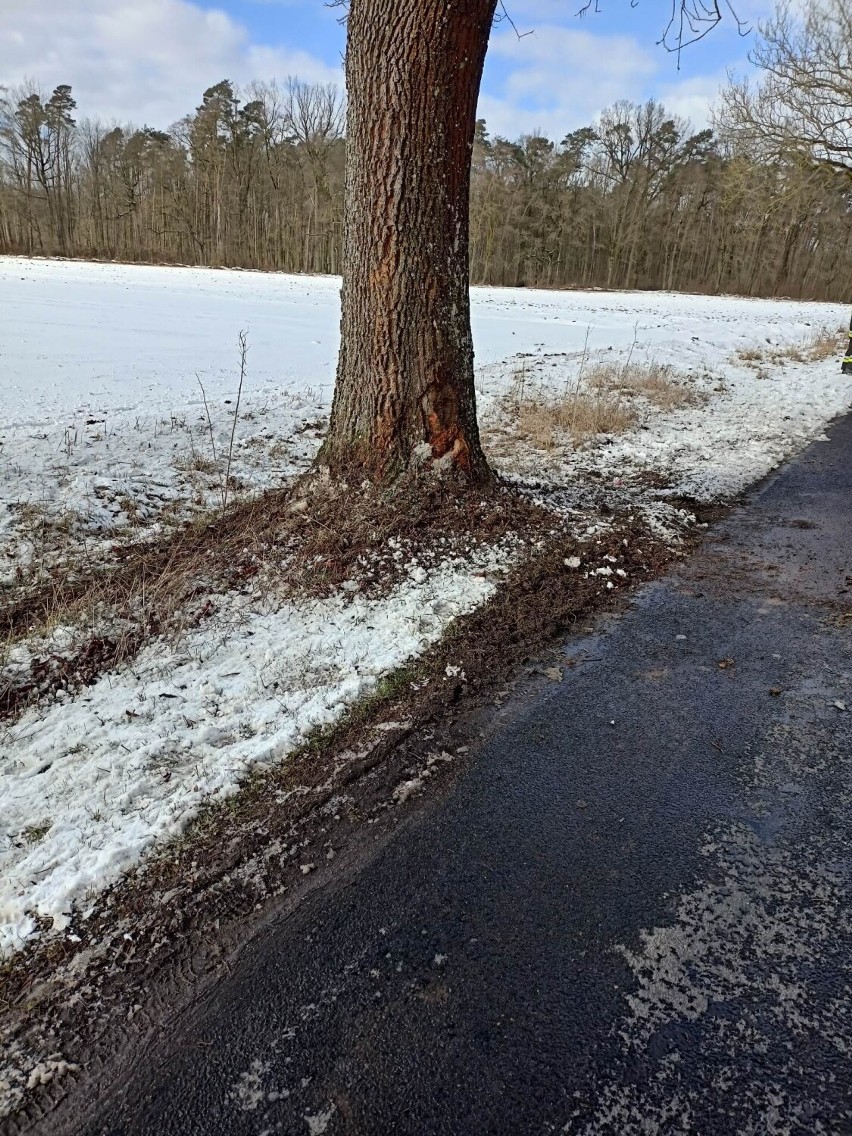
pixel 801 106
pixel 405 394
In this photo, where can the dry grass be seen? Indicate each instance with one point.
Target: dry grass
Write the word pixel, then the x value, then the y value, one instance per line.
pixel 605 400
pixel 657 383
pixel 821 345
pixel 308 540
pixel 826 345
pixel 156 587
pixel 194 462
pixel 544 421
pixel 750 354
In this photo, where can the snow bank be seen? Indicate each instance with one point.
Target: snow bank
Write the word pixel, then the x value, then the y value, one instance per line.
pixel 87 785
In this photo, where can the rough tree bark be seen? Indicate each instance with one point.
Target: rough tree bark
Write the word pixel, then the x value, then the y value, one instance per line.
pixel 405 392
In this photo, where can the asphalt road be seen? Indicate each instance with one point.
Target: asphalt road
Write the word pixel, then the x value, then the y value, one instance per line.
pixel 632 914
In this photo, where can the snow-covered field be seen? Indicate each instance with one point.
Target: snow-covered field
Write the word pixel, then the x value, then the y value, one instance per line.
pixel 103 423
pixel 104 435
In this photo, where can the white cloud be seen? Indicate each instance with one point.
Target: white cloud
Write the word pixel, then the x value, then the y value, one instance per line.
pixel 139 60
pixel 559 78
pixel 692 98
pixel 150 60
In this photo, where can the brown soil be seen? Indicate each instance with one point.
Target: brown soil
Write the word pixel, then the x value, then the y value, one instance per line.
pixel 306 540
pixel 154 938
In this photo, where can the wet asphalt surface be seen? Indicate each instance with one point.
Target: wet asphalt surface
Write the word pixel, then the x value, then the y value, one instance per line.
pixel 631 914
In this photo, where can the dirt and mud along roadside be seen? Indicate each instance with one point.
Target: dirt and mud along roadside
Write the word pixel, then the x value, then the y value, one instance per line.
pixel 625 907
pixel 68 1002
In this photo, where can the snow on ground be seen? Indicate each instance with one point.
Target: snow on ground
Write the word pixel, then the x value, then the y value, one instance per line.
pixel 742 421
pixel 103 426
pixel 87 785
pixel 104 429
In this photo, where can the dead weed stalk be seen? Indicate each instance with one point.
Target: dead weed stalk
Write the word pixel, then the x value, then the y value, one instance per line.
pixel 204 465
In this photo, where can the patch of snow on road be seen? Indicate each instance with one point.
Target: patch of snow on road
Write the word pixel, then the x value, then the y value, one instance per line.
pixel 248 1089
pixel 748 932
pixel 87 786
pixel 318 1124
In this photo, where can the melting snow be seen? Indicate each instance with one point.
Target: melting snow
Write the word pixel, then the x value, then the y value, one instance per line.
pixel 88 785
pixel 104 421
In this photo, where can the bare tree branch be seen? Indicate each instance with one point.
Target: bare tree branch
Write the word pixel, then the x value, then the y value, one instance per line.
pixel 689 21
pixel 503 14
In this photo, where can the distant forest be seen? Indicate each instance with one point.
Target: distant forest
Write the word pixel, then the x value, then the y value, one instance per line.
pixel 254 178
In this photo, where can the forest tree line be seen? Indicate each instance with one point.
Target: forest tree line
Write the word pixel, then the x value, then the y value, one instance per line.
pixel 254 178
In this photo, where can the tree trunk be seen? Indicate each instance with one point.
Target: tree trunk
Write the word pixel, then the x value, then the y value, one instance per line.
pixel 404 392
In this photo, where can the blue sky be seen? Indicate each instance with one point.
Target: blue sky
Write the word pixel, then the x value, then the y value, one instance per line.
pixel 149 60
pixel 311 24
pixel 528 77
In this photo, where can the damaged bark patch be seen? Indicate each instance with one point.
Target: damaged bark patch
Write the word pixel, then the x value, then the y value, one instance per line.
pixel 443 427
